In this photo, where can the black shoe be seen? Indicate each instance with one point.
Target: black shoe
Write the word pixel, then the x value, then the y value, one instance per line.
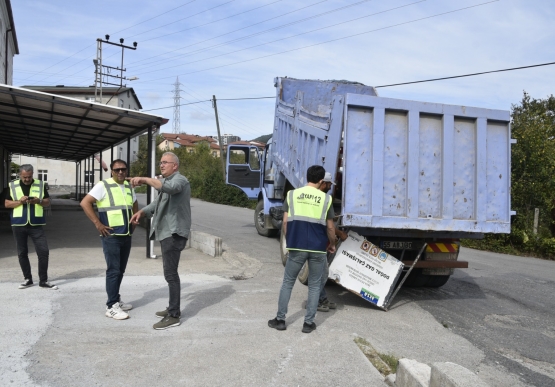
pixel 307 328
pixel 277 324
pixel 26 283
pixel 48 285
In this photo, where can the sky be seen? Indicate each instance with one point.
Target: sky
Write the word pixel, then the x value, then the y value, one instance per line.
pixel 233 49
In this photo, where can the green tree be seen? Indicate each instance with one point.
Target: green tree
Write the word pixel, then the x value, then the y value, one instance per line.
pixel 532 181
pixel 533 164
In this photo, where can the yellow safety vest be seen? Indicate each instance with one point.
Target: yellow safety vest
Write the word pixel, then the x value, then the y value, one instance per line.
pixel 24 214
pixel 306 219
pixel 116 209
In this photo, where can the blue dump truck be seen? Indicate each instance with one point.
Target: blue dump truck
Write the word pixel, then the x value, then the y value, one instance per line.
pixel 406 172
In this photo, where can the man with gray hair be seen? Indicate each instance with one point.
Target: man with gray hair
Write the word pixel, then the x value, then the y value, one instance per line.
pixel 27 198
pixel 171 224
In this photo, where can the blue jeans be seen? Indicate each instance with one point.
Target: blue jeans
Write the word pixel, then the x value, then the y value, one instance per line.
pixel 171 253
pixel 116 252
pixel 293 266
pixel 324 280
pixel 36 233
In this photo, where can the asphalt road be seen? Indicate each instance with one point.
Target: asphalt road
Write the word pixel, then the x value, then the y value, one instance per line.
pixel 503 306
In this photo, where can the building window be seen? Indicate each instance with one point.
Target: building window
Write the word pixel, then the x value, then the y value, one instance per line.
pixel 121 103
pixel 43 175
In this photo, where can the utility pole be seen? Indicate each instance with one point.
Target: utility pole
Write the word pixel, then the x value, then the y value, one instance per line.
pixel 176 107
pixel 219 136
pixel 102 72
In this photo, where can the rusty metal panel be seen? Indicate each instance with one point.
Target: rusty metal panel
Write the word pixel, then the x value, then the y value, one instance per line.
pixel 425 166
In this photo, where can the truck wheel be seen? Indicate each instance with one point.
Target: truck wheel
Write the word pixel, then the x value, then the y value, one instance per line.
pixel 283 250
pixel 437 281
pixel 259 221
pixel 416 279
pixel 303 275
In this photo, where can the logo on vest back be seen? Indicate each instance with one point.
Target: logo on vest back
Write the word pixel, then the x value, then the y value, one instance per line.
pixel 304 196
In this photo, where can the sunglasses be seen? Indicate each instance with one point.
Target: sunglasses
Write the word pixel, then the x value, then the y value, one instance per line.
pixel 118 170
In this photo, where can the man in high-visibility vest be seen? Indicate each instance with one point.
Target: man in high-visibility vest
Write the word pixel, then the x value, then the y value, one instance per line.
pixel 308 227
pixel 116 202
pixel 27 199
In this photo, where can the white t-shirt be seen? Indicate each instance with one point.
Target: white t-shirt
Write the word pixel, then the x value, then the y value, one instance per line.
pixel 99 191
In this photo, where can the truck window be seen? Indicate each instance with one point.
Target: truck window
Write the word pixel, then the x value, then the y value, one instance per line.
pixel 254 161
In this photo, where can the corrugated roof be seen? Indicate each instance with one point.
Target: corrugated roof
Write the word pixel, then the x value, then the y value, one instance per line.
pixel 40 124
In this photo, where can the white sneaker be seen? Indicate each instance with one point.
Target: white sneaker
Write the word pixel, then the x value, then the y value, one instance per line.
pixel 116 313
pixel 124 306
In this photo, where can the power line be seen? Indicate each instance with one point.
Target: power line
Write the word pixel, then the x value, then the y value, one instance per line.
pixel 273 41
pixel 182 104
pixel 467 75
pixel 268 30
pixel 196 14
pixel 152 18
pixel 227 33
pixel 330 41
pixel 87 47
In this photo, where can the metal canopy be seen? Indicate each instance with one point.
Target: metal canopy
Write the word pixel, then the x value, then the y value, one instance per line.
pixel 33 123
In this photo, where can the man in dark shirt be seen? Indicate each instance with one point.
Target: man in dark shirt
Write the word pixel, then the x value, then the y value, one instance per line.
pixel 27 199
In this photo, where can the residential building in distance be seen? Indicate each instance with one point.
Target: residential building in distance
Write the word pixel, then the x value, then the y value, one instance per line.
pixel 227 139
pixel 188 141
pixel 60 173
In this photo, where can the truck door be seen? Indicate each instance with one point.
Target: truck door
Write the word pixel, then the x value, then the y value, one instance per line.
pixel 243 169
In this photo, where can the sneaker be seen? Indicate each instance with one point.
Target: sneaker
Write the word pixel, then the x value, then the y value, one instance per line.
pixel 162 313
pixel 167 322
pixel 48 285
pixel 307 328
pixel 26 283
pixel 277 324
pixel 125 307
pixel 116 313
pixel 322 308
pixel 325 305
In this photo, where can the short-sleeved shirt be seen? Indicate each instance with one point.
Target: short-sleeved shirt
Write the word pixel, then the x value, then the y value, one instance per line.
pixel 99 191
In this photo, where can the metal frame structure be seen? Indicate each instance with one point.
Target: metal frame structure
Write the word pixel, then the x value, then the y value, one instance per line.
pixel 39 124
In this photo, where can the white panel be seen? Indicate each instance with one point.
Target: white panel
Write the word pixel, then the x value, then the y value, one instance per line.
pixel 395 159
pixel 498 176
pixel 464 168
pixel 430 170
pixel 359 131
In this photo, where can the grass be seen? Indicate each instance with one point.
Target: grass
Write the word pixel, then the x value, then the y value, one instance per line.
pixel 384 363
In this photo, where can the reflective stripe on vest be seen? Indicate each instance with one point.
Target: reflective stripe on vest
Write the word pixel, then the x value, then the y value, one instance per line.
pixel 306 219
pixel 32 214
pixel 115 209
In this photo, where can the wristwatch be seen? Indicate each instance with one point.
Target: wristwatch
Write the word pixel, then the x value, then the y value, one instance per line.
pixel 40 201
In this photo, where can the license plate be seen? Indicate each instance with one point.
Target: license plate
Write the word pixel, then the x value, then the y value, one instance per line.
pixel 400 245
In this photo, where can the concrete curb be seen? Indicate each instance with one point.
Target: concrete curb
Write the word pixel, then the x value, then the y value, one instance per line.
pixel 208 244
pixel 411 373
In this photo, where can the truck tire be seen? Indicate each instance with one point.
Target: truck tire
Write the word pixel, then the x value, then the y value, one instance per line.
pixel 259 221
pixel 303 275
pixel 437 281
pixel 416 279
pixel 284 252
